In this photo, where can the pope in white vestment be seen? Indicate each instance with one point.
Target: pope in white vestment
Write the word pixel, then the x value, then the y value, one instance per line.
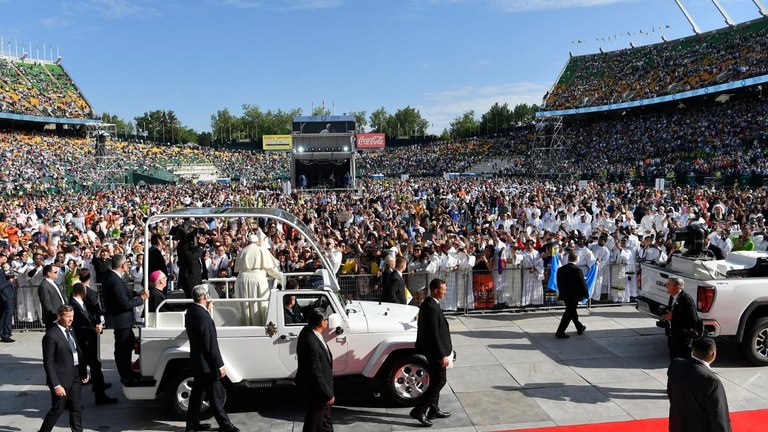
pixel 252 266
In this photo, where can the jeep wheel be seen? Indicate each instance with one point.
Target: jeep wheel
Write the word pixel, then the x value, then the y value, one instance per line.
pixel 179 390
pixel 755 343
pixel 406 379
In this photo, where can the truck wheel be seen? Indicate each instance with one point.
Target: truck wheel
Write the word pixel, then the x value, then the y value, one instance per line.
pixel 179 390
pixel 755 344
pixel 406 379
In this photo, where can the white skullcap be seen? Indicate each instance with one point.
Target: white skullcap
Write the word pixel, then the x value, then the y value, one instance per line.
pixel 253 238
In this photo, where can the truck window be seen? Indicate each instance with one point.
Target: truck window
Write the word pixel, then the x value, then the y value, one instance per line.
pixel 295 307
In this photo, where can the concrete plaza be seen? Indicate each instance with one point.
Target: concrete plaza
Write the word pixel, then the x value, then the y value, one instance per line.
pixel 511 373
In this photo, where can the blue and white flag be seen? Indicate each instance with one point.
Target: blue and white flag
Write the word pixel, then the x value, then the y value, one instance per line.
pixel 552 282
pixel 590 278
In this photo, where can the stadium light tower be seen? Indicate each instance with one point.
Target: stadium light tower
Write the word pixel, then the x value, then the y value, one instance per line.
pixel 760 7
pixel 695 26
pixel 720 8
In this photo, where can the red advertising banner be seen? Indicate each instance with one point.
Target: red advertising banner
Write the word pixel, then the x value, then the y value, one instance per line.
pixel 370 140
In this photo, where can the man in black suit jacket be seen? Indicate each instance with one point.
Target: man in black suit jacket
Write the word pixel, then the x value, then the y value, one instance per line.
pixel 119 302
pixel 697 401
pixel 7 302
pixel 681 318
pixel 314 377
pixel 393 290
pixel 50 295
pixel 191 268
pixel 87 328
pixel 433 340
pixel 291 311
pixel 572 289
pixel 206 362
pixel 155 259
pixel 61 354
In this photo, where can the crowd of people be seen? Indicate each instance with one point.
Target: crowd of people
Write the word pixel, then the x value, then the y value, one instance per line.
pixel 37 89
pixel 726 55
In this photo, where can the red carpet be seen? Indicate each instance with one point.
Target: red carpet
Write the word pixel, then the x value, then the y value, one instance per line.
pixel 743 421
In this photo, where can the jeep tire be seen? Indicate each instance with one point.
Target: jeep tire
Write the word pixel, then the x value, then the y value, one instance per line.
pixel 405 379
pixel 755 343
pixel 178 392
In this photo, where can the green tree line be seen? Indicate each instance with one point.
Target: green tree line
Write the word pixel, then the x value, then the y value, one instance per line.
pixel 165 127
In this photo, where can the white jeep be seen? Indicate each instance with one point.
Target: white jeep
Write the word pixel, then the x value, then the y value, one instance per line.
pixel 368 339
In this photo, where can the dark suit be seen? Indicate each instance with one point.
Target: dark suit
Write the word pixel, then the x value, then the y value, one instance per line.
pixel 7 303
pixel 119 302
pixel 60 370
pixel 314 379
pixel 155 298
pixel 433 340
pixel 191 267
pixel 697 401
pixel 156 261
pixel 50 300
pixel 205 360
pixel 293 315
pixel 84 325
pixel 393 288
pixel 682 329
pixel 572 289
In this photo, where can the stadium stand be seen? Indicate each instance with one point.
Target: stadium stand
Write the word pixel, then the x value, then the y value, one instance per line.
pixel 724 55
pixel 40 89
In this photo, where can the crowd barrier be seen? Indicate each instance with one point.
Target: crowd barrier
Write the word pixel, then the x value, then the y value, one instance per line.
pixel 515 288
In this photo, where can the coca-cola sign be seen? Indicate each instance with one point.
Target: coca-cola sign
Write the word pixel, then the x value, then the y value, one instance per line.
pixel 370 141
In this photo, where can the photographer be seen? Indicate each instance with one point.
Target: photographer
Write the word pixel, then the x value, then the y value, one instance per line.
pixel 190 253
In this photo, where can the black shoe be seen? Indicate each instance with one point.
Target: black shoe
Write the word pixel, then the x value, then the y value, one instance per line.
pixel 228 428
pixel 7 340
pixel 107 385
pixel 105 400
pixel 200 427
pixel 421 417
pixel 581 329
pixel 561 336
pixel 437 413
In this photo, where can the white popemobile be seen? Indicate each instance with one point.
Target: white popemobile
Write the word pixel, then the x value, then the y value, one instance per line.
pixel 366 338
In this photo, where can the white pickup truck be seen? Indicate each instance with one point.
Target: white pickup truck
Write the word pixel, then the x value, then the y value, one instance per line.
pixel 731 295
pixel 366 339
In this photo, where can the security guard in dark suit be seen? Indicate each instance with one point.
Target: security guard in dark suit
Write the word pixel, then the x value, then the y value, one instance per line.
pixel 314 377
pixel 433 340
pixel 572 288
pixel 206 361
pixel 61 358
pixel 697 400
pixel 681 318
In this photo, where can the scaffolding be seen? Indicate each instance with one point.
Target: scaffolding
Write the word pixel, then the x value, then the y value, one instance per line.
pixel 550 153
pixel 109 171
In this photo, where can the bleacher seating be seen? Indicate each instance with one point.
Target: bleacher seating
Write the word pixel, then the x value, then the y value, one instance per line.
pixel 724 55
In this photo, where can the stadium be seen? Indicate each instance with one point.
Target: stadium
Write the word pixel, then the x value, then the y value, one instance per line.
pixel 689 113
pixel 625 147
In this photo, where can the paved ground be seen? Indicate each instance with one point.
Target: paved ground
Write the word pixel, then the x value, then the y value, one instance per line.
pixel 511 373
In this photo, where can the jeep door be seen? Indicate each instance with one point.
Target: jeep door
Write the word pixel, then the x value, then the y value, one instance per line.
pixel 288 333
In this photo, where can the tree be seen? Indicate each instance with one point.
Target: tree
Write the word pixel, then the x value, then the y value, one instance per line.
pixel 221 125
pixel 497 118
pixel 524 113
pixel 408 122
pixel 173 124
pixel 321 110
pixel 464 125
pixel 360 120
pixel 379 120
pixel 121 125
pixel 150 124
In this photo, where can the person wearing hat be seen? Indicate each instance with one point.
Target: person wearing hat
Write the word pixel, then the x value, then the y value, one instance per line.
pixel 314 376
pixel 252 266
pixel 157 282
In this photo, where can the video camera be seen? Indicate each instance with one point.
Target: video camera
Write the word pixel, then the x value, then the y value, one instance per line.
pixel 188 232
pixel 692 236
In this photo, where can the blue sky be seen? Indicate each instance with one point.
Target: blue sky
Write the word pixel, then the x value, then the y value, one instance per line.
pixel 443 57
